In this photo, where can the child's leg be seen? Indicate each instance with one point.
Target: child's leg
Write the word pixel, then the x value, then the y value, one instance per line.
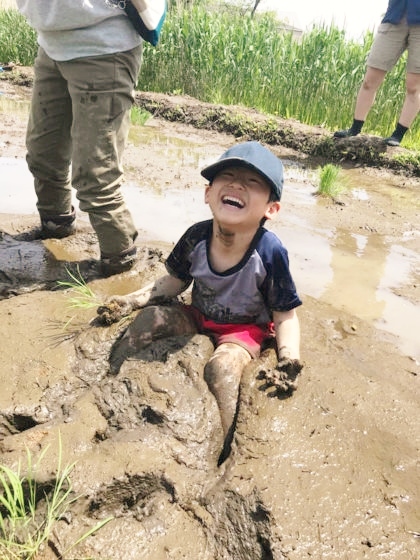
pixel 223 374
pixel 152 323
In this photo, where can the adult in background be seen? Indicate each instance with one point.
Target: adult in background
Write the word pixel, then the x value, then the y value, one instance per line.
pixel 399 31
pixel 86 70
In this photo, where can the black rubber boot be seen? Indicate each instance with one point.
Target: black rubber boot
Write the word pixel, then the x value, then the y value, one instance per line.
pixel 59 226
pixel 52 227
pixel 114 264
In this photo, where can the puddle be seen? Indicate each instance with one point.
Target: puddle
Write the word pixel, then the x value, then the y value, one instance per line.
pixel 359 273
pixel 360 194
pixel 176 152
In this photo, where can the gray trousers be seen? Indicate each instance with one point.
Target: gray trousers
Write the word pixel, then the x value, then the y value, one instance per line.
pixel 79 121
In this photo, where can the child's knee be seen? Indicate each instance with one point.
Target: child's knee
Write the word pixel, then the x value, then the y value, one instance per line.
pixel 226 364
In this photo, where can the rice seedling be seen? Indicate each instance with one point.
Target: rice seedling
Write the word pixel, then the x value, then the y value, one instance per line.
pixel 83 296
pixel 139 116
pixel 29 511
pixel 330 182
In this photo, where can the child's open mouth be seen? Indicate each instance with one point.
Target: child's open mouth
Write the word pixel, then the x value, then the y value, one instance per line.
pixel 232 201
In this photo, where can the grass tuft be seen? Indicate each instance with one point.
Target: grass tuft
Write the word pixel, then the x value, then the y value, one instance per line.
pixel 139 116
pixel 83 296
pixel 28 510
pixel 330 181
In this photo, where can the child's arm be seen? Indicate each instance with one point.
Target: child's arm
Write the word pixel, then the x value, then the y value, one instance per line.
pixel 286 325
pixel 287 329
pixel 162 289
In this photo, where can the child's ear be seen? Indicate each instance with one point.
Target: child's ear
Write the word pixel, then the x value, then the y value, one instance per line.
pixel 206 193
pixel 272 210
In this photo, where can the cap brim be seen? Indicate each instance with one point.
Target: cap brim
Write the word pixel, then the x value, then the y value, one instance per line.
pixel 211 171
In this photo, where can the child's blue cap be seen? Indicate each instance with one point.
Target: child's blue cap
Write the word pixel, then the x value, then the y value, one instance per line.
pixel 254 156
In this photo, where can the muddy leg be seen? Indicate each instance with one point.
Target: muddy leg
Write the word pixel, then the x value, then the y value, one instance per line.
pixel 223 374
pixel 152 323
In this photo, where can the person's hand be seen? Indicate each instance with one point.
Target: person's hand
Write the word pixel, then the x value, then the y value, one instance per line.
pixel 114 309
pixel 284 377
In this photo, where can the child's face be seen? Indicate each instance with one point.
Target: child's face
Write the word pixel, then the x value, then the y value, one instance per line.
pixel 240 196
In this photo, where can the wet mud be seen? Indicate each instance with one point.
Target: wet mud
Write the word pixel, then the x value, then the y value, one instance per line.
pixel 329 472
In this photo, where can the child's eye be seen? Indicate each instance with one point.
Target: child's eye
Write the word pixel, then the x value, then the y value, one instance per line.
pixel 252 182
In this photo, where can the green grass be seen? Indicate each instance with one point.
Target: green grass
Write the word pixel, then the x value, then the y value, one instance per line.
pixel 139 116
pixel 81 296
pixel 29 511
pixel 248 61
pixel 17 40
pixel 224 56
pixel 330 181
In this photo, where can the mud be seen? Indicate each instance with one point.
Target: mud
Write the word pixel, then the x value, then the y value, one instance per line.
pixel 329 472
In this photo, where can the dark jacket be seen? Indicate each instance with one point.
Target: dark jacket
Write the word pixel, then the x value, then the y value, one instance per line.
pixel 397 9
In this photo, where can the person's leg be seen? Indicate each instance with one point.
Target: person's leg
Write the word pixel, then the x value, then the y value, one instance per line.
pixel 364 101
pixel 101 90
pixel 367 92
pixel 152 323
pixel 411 104
pixel 223 375
pixel 48 145
pixel 389 44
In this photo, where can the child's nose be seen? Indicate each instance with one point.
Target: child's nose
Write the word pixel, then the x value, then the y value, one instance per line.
pixel 238 181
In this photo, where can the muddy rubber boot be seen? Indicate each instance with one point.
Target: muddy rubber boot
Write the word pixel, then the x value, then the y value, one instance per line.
pixel 52 227
pixel 58 227
pixel 114 264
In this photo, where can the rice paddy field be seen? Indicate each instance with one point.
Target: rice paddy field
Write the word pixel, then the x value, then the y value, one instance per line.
pixel 225 56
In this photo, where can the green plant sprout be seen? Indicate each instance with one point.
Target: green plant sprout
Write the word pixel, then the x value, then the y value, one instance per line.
pixel 84 297
pixel 139 116
pixel 24 528
pixel 330 183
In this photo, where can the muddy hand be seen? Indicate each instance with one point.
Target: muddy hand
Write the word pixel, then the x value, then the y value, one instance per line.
pixel 284 375
pixel 114 309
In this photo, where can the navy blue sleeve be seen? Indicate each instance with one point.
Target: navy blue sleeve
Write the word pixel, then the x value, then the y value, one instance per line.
pixel 178 263
pixel 278 288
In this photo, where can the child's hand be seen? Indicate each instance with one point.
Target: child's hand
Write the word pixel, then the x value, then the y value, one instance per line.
pixel 114 309
pixel 284 375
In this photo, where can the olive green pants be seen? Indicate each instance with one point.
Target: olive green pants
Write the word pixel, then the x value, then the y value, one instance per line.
pixel 77 131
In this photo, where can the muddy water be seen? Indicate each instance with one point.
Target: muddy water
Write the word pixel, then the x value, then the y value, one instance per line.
pixel 329 473
pixel 362 272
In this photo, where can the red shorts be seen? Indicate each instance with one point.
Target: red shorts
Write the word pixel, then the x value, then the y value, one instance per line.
pixel 247 335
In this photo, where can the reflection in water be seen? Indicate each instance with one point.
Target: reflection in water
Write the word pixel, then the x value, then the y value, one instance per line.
pixel 400 315
pixel 310 256
pixel 360 194
pixel 14 106
pixel 17 192
pixel 358 264
pixel 175 151
pixel 165 215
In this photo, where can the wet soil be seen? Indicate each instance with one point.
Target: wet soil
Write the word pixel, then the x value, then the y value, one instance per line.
pixel 329 473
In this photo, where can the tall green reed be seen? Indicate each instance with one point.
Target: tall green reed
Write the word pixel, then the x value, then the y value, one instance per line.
pixel 17 40
pixel 225 56
pixel 228 57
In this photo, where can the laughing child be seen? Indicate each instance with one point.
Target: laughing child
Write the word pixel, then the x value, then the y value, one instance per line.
pixel 243 294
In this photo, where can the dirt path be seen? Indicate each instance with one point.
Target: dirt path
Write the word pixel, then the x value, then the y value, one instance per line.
pixel 330 473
